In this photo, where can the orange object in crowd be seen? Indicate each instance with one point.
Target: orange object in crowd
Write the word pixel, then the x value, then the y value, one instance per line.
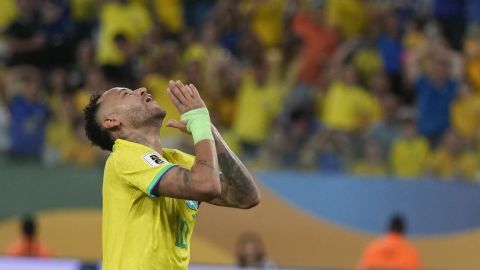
pixel 28 248
pixel 318 43
pixel 391 251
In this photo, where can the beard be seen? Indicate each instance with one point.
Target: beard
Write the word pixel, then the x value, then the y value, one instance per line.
pixel 150 117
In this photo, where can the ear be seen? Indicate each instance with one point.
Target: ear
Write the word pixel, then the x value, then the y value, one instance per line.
pixel 111 122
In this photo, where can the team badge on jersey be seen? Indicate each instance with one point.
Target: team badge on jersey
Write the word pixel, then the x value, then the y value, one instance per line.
pixel 153 159
pixel 192 204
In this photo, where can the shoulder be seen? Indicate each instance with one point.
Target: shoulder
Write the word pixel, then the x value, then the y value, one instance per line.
pixel 128 155
pixel 375 246
pixel 409 247
pixel 178 157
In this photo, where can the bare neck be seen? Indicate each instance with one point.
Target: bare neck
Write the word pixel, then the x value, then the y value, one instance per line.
pixel 149 136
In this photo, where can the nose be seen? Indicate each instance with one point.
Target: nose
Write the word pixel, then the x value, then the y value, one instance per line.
pixel 142 91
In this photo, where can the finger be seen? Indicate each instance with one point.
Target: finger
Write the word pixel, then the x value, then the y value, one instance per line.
pixel 183 91
pixel 174 99
pixel 190 90
pixel 195 91
pixel 177 124
pixel 197 94
pixel 175 90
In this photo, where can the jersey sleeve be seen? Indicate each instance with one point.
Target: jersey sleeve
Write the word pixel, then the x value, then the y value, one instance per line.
pixel 143 170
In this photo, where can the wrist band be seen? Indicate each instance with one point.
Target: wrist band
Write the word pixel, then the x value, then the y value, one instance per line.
pixel 198 123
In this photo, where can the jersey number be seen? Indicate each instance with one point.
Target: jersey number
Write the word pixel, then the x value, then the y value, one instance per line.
pixel 181 233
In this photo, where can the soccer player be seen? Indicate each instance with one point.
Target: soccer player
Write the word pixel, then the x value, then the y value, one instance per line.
pixel 151 194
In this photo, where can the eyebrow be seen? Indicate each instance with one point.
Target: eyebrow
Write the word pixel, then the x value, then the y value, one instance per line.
pixel 124 91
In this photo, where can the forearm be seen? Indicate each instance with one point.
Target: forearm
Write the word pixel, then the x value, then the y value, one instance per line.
pixel 205 170
pixel 238 185
pixel 200 183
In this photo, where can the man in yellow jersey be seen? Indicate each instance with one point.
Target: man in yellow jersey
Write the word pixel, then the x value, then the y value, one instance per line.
pixel 151 194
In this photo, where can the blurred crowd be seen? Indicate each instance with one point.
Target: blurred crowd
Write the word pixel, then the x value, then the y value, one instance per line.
pixel 368 87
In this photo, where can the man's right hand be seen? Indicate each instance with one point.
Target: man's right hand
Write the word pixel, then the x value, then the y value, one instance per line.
pixel 184 97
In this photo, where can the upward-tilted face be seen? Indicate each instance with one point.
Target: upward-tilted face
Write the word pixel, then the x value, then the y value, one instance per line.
pixel 129 109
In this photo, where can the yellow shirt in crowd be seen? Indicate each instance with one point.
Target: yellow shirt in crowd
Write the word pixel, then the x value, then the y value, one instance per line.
pixel 131 20
pixel 170 13
pixel 139 230
pixel 83 10
pixel 349 107
pixel 364 168
pixel 348 15
pixel 368 62
pixel 8 13
pixel 266 20
pixel 408 157
pixel 445 165
pixel 465 115
pixel 255 108
pixel 473 72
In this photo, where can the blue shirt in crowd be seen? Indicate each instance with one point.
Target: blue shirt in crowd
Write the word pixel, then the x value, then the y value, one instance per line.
pixel 391 52
pixel 434 105
pixel 454 9
pixel 473 11
pixel 27 127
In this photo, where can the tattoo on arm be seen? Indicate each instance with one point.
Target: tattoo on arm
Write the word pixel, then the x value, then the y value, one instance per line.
pixel 184 174
pixel 235 175
pixel 237 183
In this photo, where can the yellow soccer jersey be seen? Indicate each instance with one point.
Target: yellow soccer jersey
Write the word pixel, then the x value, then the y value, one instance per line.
pixel 139 230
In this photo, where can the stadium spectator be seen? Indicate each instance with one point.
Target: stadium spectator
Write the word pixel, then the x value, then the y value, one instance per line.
pixel 335 59
pixel 410 152
pixel 392 251
pixel 465 113
pixel 258 101
pixel 59 130
pixel 347 106
pixel 371 162
pixel 388 128
pixel 196 12
pixel 231 28
pixel 318 42
pixel 8 14
pixel 389 44
pixel 451 16
pixel 78 150
pixel 266 20
pixel 435 88
pixel 349 16
pixel 251 252
pixel 369 63
pixel 126 18
pixel 328 151
pixel 26 41
pixel 28 244
pixel 93 83
pixel 4 123
pixel 83 64
pixel 472 52
pixel 83 15
pixel 58 30
pixel 29 115
pixel 169 13
pixel 451 161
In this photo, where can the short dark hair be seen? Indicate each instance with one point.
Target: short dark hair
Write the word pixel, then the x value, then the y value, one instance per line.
pixel 29 227
pixel 95 133
pixel 397 224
